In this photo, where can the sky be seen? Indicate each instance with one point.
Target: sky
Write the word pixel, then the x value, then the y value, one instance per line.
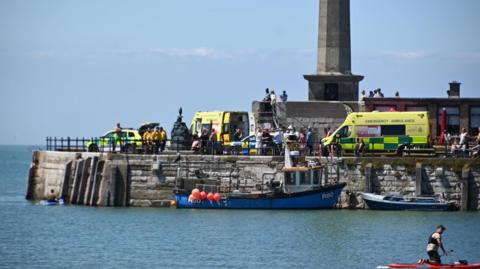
pixel 75 68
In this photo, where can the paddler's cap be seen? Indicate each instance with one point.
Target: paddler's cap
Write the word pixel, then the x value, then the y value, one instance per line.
pixel 442 227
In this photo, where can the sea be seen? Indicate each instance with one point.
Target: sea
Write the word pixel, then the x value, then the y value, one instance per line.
pixel 36 236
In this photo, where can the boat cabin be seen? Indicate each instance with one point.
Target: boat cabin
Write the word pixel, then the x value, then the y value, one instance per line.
pixel 302 178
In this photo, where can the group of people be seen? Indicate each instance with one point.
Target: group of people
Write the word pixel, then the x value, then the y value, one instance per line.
pixel 271 96
pixel 154 140
pixel 206 142
pixel 270 99
pixel 377 93
pixel 459 146
pixel 267 143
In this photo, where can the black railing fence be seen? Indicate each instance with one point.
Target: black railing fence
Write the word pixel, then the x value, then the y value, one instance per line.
pixel 248 148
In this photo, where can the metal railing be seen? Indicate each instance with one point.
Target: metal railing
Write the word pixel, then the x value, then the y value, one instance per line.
pixel 246 148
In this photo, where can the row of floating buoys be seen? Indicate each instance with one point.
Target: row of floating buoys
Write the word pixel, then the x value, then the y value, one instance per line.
pixel 198 195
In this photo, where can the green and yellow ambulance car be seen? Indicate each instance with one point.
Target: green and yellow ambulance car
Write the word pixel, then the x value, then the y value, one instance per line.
pixel 128 140
pixel 383 132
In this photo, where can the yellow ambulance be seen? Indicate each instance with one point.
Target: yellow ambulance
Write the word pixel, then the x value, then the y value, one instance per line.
pixel 386 132
pixel 224 123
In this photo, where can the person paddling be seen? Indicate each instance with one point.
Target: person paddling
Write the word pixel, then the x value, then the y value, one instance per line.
pixel 434 243
pixel 52 197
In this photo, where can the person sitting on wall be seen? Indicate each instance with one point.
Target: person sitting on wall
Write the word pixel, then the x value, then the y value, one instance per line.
pixel 464 139
pixel 51 197
pixel 196 144
pixel 363 96
pixel 455 147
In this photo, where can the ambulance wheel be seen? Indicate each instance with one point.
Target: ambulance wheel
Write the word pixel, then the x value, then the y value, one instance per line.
pixel 93 148
pixel 130 149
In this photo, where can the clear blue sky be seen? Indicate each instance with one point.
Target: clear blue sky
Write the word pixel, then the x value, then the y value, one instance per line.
pixel 78 67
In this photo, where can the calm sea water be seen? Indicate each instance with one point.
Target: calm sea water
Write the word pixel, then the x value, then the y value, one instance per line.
pixel 34 236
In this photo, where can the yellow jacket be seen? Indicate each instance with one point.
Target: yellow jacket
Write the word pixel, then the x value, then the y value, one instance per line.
pixel 147 136
pixel 163 135
pixel 156 135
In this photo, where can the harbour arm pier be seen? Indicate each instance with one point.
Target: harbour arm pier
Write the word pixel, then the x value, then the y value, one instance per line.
pixel 141 180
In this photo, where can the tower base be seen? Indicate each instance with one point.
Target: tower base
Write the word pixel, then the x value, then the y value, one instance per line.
pixel 333 87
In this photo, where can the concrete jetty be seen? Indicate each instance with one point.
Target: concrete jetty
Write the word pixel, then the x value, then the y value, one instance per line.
pixel 114 179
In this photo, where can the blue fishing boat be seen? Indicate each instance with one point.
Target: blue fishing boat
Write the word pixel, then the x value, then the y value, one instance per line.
pixel 316 198
pixel 398 202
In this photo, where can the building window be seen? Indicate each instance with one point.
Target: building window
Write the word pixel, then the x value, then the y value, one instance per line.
pixel 416 108
pixel 453 120
pixel 331 92
pixel 385 108
pixel 474 120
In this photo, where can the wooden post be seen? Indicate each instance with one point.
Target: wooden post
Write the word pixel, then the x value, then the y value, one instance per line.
pixel 465 189
pixel 368 178
pixel 418 179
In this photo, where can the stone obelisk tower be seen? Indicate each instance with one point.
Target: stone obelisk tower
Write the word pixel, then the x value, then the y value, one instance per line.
pixel 334 79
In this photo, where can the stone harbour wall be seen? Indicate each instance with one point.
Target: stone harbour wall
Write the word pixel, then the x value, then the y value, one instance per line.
pixel 112 179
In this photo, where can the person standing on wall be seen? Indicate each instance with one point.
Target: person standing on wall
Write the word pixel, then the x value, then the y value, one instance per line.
pixel 278 140
pixel 284 97
pixel 258 141
pixel 147 140
pixel 310 141
pixel 273 101
pixel 163 139
pixel 117 137
pixel 156 140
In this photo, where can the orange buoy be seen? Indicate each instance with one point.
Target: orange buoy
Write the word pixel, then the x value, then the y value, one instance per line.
pixel 217 197
pixel 210 196
pixel 203 195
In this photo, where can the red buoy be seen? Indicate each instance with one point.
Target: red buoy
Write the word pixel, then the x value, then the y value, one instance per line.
pixel 196 194
pixel 203 195
pixel 210 196
pixel 217 197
